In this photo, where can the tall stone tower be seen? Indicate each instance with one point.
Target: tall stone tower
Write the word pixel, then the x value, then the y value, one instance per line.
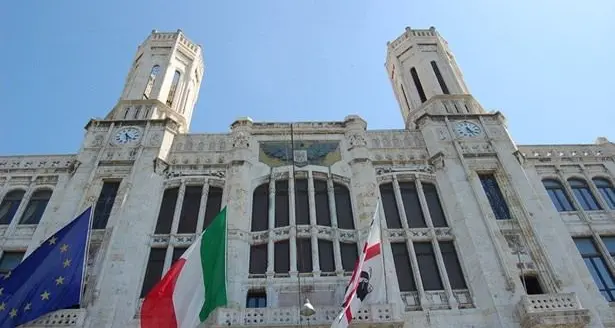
pixel 421 67
pixel 163 81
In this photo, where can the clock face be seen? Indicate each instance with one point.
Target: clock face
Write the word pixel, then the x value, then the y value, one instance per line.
pixel 127 135
pixel 467 129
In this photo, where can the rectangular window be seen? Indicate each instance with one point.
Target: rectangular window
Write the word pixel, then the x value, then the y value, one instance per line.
pixel 104 205
pixel 417 83
pixel 177 253
pixel 281 203
pixel 190 209
pixel 389 204
pixel 153 272
pixel 321 197
pixel 609 242
pixel 495 196
pixel 412 205
pixel 451 263
pixel 10 260
pixel 434 206
pixel 281 252
pixel 213 206
pixel 350 256
pixel 402 267
pixel 325 255
pixel 302 205
pixel 427 266
pixel 167 210
pixel 258 259
pixel 531 285
pixel 403 92
pixel 597 267
pixel 304 255
pixel 436 71
pixel 256 299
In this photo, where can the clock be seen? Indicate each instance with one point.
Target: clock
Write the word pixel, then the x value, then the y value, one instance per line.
pixel 467 129
pixel 127 135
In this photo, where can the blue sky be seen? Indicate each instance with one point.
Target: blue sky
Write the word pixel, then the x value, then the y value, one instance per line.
pixel 547 64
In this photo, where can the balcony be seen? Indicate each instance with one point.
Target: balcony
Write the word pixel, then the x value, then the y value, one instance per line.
pixel 61 318
pixel 380 315
pixel 552 310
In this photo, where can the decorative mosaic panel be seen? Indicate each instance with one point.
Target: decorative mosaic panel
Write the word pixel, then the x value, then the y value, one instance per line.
pixel 307 152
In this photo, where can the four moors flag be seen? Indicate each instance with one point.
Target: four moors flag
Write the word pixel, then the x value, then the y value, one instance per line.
pixel 194 286
pixel 367 281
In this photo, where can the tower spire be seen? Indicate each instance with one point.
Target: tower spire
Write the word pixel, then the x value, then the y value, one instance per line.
pixel 163 81
pixel 421 66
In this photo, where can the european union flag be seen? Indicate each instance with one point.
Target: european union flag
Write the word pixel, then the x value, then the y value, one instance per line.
pixel 49 278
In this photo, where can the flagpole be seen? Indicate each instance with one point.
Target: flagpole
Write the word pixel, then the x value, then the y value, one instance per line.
pixel 86 254
pixel 384 269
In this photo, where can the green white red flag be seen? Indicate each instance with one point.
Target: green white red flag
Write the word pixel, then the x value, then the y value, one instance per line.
pixel 194 286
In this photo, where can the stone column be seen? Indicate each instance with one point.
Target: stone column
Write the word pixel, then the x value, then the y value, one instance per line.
pixel 238 211
pixel 364 189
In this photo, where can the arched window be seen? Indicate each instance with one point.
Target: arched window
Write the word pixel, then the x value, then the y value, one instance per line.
pixel 9 205
pixel 389 205
pixel 606 190
pixel 584 196
pixel 307 257
pixel 150 82
pixel 558 195
pixel 260 209
pixel 343 207
pixel 173 88
pixel 36 207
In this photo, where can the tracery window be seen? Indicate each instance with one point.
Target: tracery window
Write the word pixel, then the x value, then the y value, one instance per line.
pixel 583 194
pixel 185 211
pixel 317 205
pixel 9 205
pixel 36 207
pixel 558 195
pixel 150 82
pixel 422 247
pixel 606 190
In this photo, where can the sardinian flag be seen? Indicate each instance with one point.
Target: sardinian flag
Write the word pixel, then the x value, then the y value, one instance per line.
pixel 367 281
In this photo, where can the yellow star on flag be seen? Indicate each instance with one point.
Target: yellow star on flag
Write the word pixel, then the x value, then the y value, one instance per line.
pixel 13 313
pixel 7 275
pixel 27 307
pixel 53 240
pixel 63 248
pixel 2 306
pixel 60 280
pixel 45 295
pixel 66 263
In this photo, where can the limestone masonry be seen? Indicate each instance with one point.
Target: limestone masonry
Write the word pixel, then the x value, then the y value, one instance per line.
pixel 477 231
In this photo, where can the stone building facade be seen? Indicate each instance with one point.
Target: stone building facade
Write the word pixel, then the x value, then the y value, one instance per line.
pixel 477 230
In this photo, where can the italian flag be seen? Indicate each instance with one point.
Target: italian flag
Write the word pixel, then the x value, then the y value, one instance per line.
pixel 194 286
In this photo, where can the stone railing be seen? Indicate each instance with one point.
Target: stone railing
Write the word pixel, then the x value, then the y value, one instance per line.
pixel 552 310
pixel 61 318
pixel 370 316
pixel 560 153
